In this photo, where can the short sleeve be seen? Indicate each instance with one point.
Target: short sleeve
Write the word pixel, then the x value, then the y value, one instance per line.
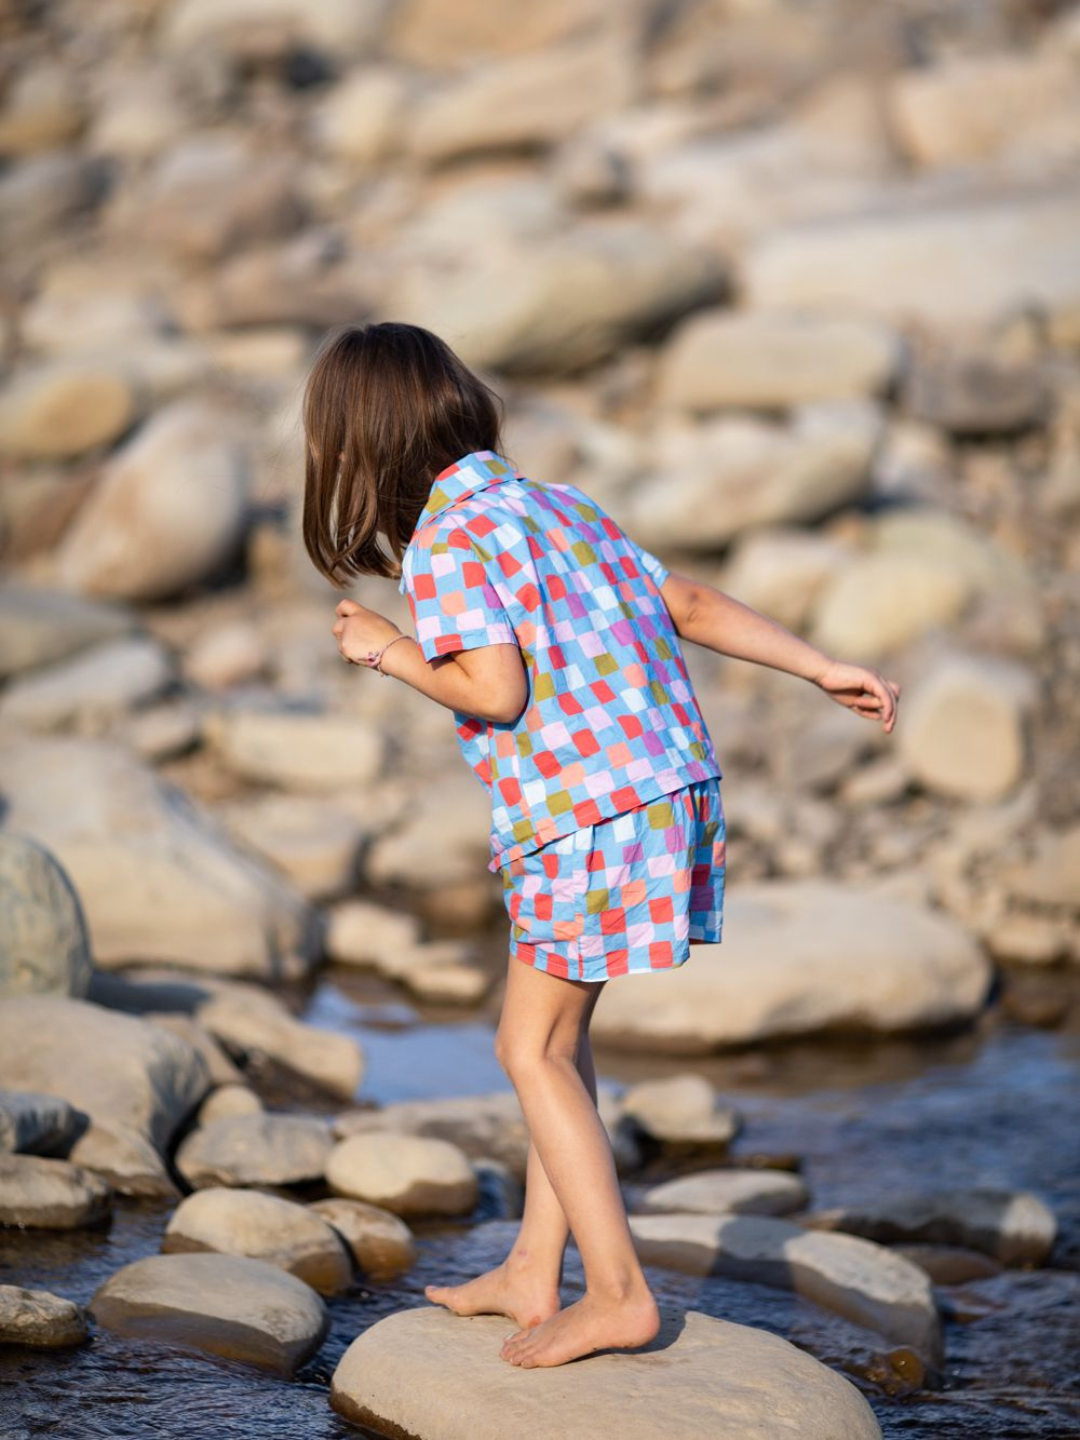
pixel 652 565
pixel 454 605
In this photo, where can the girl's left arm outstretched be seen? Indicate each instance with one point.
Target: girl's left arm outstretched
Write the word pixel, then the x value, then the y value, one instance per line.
pixel 709 617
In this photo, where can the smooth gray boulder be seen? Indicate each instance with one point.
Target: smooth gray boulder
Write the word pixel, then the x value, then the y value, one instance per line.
pixel 860 1280
pixel 255 1150
pixel 1013 1226
pixel 720 1192
pixel 40 1319
pixel 226 1304
pixel 41 1194
pixel 44 943
pixel 406 1174
pixel 425 1374
pixel 135 1081
pixel 680 1110
pixel 381 1243
pixel 36 1124
pixel 800 957
pixel 264 1227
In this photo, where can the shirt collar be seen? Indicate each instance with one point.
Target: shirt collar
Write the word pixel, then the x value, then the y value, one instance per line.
pixel 475 471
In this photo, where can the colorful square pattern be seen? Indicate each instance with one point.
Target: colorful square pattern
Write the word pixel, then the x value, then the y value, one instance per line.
pixel 611 720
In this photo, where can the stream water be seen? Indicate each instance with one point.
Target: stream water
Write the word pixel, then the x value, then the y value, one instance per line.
pixel 997 1106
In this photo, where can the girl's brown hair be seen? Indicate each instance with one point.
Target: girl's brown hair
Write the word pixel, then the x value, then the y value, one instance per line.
pixel 386 407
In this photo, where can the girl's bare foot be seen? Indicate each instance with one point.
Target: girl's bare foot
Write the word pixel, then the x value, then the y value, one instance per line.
pixel 520 1294
pixel 591 1323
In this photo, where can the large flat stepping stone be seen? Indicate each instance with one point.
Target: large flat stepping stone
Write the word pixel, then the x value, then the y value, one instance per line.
pixel 855 1278
pixel 719 1192
pixel 1013 1226
pixel 227 1305
pixel 432 1375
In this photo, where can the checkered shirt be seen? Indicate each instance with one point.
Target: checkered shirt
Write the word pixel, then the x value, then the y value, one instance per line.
pixel 611 719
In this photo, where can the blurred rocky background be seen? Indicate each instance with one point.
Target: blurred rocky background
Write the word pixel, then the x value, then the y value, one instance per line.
pixel 793 289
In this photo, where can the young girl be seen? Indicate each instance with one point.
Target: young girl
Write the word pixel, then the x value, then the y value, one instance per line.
pixel 555 640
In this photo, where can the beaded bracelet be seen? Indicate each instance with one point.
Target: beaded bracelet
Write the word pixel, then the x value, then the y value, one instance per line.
pixel 374 658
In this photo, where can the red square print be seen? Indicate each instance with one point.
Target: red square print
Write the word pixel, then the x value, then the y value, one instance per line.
pixel 529 596
pixel 613 922
pixel 603 691
pixel 586 742
pixel 509 564
pixel 510 790
pixel 617 962
pixel 556 587
pixel 480 525
pixel 661 910
pixel 543 906
pixel 547 763
pixel 587 812
pixel 424 586
pixel 631 725
pixel 569 704
pixel 661 953
pixel 473 573
pixel 625 799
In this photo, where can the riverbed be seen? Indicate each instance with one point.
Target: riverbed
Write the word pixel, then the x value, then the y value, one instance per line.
pixel 994 1106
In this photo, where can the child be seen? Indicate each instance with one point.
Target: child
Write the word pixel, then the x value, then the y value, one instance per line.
pixel 555 640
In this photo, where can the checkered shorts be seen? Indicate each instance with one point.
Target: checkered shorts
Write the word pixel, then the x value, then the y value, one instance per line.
pixel 626 895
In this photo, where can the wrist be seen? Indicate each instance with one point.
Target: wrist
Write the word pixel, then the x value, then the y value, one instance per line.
pixel 383 656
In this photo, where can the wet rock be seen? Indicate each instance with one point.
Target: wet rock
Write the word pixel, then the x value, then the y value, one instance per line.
pixel 802 957
pixel 781 571
pixel 44 944
pixel 523 102
pixel 680 1110
pixel 964 733
pixel 736 1192
pixel 560 308
pixel 731 474
pixel 63 410
pixel 92 690
pixel 264 1227
pixel 297 751
pixel 40 1319
pixel 40 625
pixel 767 361
pixel 227 1305
pixel 168 511
pixel 135 1081
pixel 250 1021
pixel 157 880
pixel 255 1150
pixel 946 1264
pixel 976 395
pixel 873 263
pixel 381 1243
pixel 36 1124
pixel 42 1194
pixel 406 1174
pixel 859 1280
pixel 219 1067
pixel 1012 1226
pixel 733 1380
pixel 1051 874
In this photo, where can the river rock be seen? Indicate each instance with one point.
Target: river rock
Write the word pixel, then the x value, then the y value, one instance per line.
pixel 1051 874
pixel 92 690
pixel 415 1373
pixel 256 29
pixel 381 1243
pixel 324 753
pixel 61 410
pixel 1012 1226
pixel 40 625
pixel 964 733
pixel 36 1124
pixel 135 1081
pixel 227 1305
pixel 405 1174
pixel 736 1192
pixel 714 480
pixel 219 1067
pixel 859 1280
pixel 442 842
pixel 42 1194
pixel 251 1021
pixel 876 603
pixel 158 881
pixel 359 932
pixel 42 193
pixel 360 120
pixel 753 360
pixel 800 957
pixel 975 394
pixel 875 263
pixel 680 1110
pixel 266 1227
pixel 255 1150
pixel 40 1319
pixel 228 1101
pixel 559 308
pixel 40 110
pixel 168 511
pixel 44 944
pixel 782 570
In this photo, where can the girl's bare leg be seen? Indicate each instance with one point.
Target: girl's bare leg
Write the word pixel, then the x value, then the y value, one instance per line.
pixel 525 1286
pixel 537 1045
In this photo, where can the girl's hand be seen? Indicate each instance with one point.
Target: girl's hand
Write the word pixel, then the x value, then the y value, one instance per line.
pixel 861 689
pixel 361 633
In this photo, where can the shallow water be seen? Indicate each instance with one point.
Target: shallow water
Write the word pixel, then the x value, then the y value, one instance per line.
pixel 996 1107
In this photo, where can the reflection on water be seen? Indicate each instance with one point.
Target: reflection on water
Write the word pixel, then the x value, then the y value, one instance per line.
pixel 994 1108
